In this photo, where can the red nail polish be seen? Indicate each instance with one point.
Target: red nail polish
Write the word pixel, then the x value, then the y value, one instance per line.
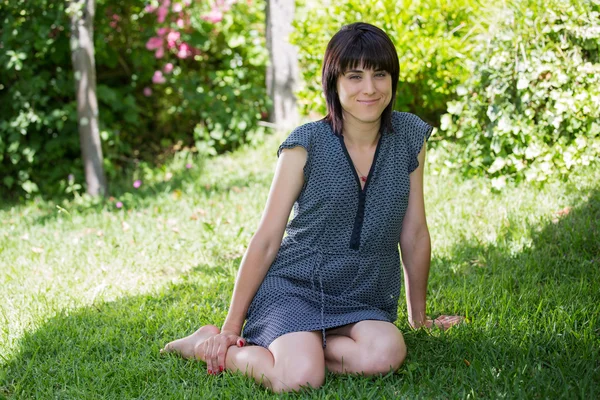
pixel 220 369
pixel 210 372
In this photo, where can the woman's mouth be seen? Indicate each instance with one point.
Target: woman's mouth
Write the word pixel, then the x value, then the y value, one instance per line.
pixel 368 102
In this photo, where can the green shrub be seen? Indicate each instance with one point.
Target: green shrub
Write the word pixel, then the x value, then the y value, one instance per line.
pixel 432 39
pixel 531 106
pixel 209 102
pixel 36 89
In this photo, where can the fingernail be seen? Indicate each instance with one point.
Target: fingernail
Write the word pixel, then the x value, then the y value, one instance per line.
pixel 240 343
pixel 220 369
pixel 210 371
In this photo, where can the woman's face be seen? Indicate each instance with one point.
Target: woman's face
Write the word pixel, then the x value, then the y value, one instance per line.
pixel 364 94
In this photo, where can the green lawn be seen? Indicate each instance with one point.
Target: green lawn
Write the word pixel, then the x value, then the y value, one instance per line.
pixel 89 292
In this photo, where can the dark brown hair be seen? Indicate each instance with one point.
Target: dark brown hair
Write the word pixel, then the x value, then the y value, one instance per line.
pixel 357 45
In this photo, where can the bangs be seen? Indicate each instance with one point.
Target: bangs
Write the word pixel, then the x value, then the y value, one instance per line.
pixel 367 53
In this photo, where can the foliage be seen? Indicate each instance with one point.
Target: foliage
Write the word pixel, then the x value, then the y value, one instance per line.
pixel 432 39
pixel 36 92
pixel 207 98
pixel 530 108
pixel 514 87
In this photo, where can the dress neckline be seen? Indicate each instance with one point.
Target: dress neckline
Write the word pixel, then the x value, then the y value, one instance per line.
pixel 361 190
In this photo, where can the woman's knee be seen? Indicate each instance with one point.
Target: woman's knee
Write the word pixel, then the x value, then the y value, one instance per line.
pixel 384 354
pixel 299 362
pixel 302 375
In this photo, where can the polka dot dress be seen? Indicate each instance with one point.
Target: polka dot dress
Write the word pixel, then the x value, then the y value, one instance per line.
pixel 339 262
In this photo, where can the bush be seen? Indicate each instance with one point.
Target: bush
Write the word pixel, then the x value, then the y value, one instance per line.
pixel 531 106
pixel 432 39
pixel 206 92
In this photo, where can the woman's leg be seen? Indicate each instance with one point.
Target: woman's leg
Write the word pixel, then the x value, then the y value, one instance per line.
pixel 291 361
pixel 366 347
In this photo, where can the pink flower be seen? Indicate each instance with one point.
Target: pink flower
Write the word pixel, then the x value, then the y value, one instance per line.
pixel 147 91
pixel 188 165
pixel 214 16
pixel 180 23
pixel 166 3
pixel 177 7
pixel 154 43
pixel 172 37
pixel 160 52
pixel 162 31
pixel 149 8
pixel 168 68
pixel 158 77
pixel 187 2
pixel 162 14
pixel 184 51
pixel 119 204
pixel 137 184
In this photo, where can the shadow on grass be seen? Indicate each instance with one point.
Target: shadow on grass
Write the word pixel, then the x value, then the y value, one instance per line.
pixel 535 312
pixel 121 189
pixel 534 332
pixel 145 196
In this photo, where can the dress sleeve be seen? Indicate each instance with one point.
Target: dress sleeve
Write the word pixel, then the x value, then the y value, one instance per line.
pixel 301 136
pixel 417 132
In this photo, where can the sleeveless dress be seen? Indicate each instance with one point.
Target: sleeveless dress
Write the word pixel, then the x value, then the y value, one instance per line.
pixel 339 262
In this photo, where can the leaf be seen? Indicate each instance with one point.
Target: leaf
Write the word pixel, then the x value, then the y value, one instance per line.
pixel 208 226
pixel 60 209
pixel 29 187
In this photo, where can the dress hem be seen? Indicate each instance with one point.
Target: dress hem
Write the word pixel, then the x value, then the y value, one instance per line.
pixel 317 328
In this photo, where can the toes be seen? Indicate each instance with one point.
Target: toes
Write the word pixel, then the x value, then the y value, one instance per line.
pixel 165 350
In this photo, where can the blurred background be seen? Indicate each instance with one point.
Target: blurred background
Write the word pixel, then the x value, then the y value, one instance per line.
pixel 511 86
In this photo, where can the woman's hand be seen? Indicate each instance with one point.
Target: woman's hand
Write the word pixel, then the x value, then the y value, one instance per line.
pixel 443 322
pixel 214 350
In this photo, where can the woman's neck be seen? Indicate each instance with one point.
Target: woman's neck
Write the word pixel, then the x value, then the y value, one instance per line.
pixel 361 135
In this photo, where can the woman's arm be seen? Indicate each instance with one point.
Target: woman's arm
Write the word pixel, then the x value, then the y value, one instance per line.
pixel 264 245
pixel 415 245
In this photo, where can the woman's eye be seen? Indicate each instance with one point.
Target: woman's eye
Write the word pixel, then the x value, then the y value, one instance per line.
pixel 355 77
pixel 381 74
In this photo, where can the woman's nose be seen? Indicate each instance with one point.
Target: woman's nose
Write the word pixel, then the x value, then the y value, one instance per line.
pixel 369 86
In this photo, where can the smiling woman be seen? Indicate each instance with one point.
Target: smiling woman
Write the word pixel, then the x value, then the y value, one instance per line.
pixel 326 295
pixel 353 50
pixel 364 95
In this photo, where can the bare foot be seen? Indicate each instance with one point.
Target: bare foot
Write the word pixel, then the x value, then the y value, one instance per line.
pixel 185 346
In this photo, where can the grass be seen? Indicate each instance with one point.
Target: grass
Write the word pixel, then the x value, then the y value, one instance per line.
pixel 90 292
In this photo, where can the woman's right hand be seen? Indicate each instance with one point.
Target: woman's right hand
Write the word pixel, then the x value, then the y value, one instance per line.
pixel 214 350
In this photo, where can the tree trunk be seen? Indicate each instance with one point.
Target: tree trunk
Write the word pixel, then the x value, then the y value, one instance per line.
pixel 84 66
pixel 282 71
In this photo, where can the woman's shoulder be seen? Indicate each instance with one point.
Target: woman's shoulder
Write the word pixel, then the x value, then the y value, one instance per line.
pixel 402 120
pixel 410 127
pixel 310 128
pixel 306 135
pixel 312 132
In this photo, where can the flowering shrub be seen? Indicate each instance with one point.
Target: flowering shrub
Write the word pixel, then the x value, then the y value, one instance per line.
pixel 170 74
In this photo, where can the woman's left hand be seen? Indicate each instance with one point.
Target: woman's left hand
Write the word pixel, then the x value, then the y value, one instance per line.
pixel 443 322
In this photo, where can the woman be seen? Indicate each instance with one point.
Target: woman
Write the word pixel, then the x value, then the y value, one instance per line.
pixel 326 296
